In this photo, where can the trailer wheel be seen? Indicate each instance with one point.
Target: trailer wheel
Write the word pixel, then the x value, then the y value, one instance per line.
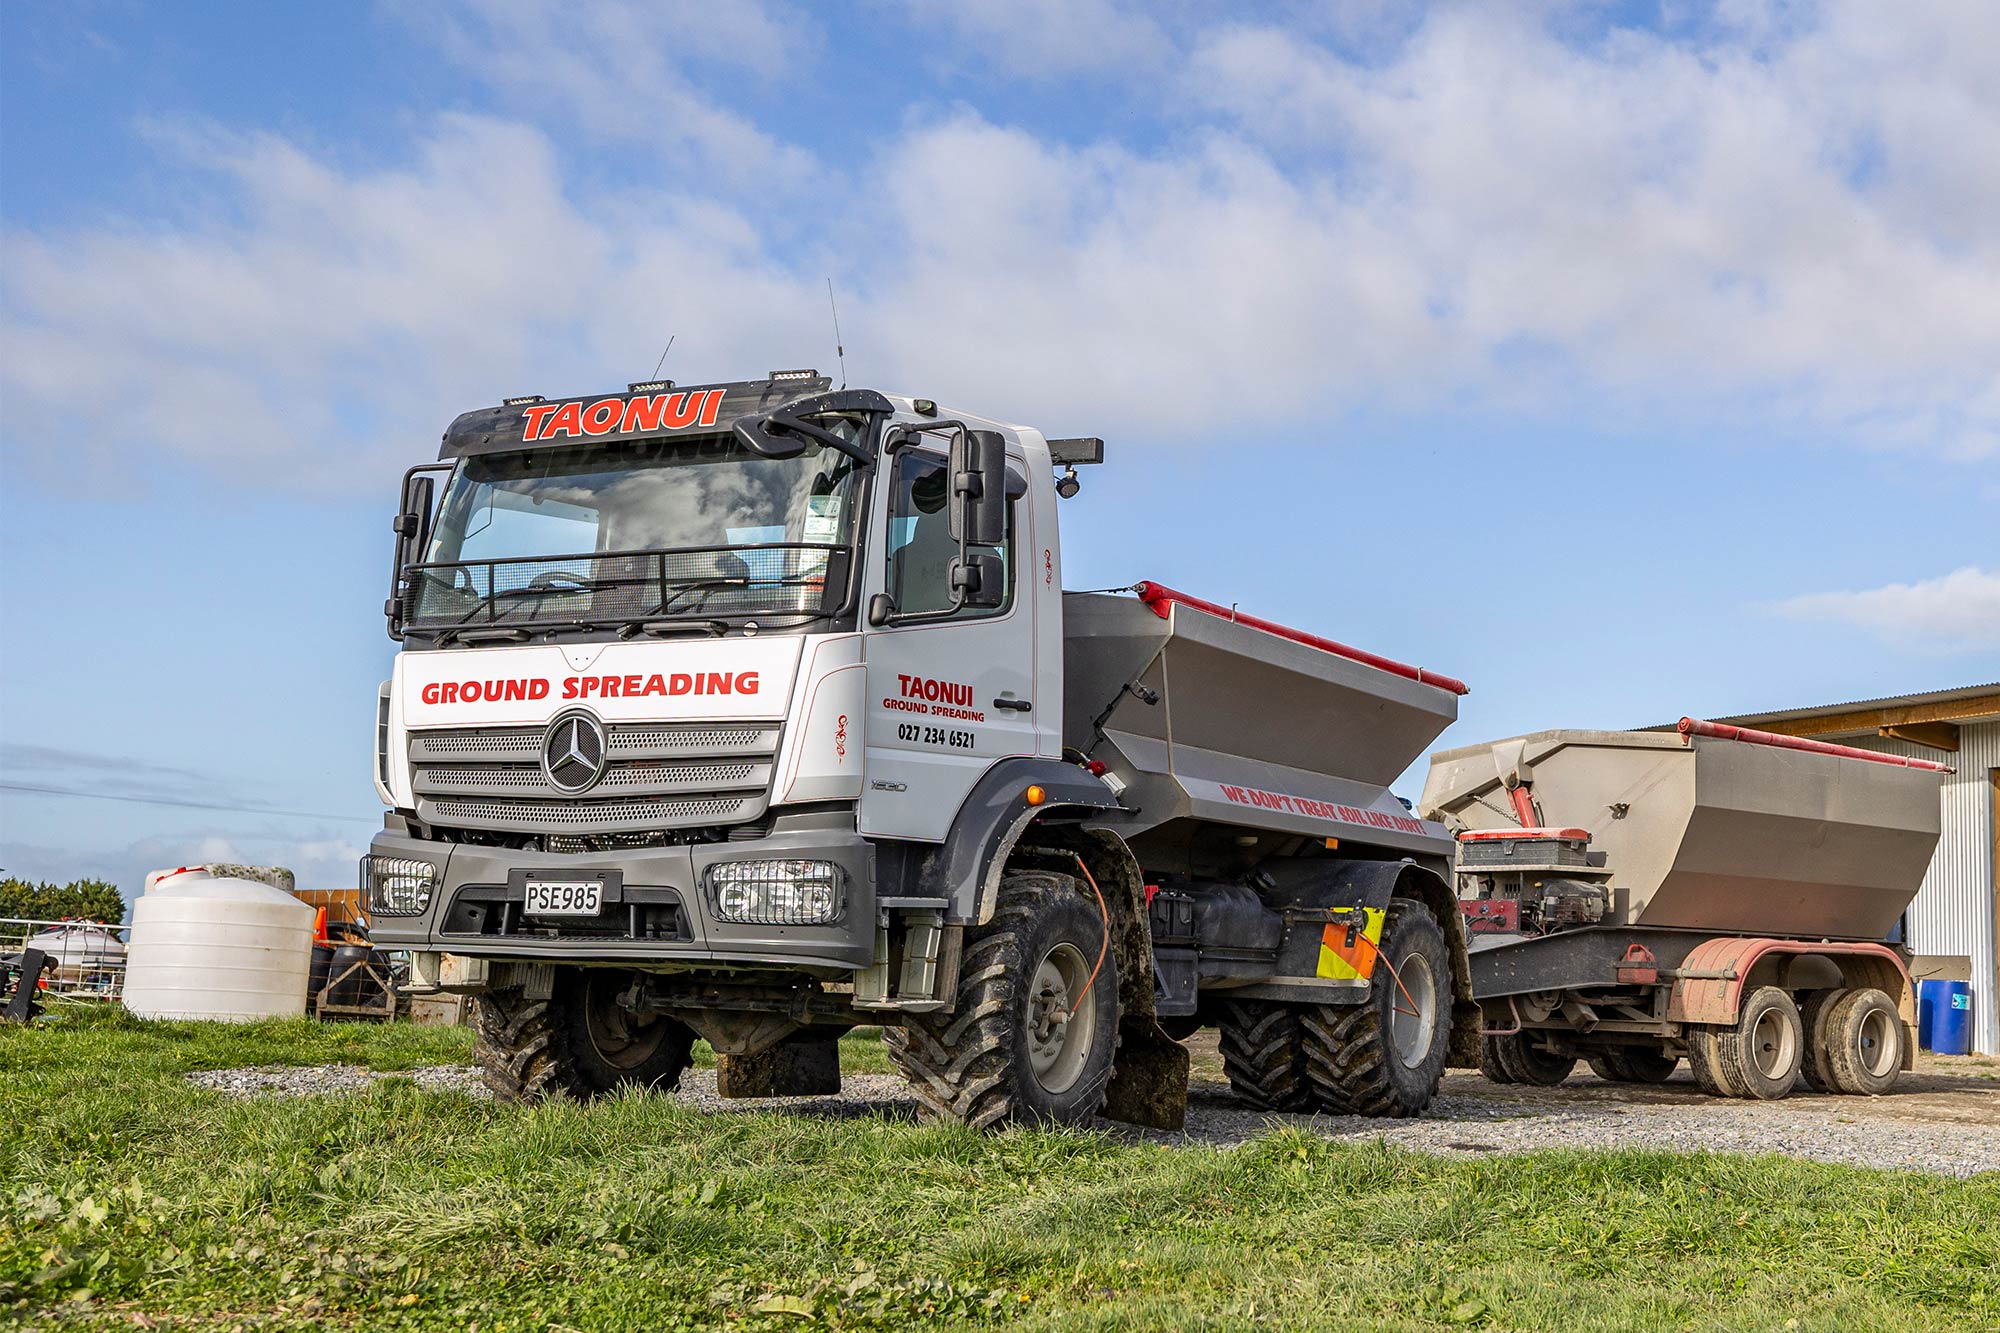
pixel 1491 1067
pixel 1760 1056
pixel 1634 1065
pixel 1812 1014
pixel 1264 1054
pixel 580 1042
pixel 1017 1046
pixel 1384 1056
pixel 1705 1063
pixel 1530 1064
pixel 1864 1042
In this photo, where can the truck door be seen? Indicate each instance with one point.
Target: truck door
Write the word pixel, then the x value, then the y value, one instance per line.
pixel 946 698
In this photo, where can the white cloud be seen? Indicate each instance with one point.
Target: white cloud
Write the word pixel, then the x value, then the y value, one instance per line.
pixel 1960 610
pixel 1679 218
pixel 625 68
pixel 1786 232
pixel 1048 39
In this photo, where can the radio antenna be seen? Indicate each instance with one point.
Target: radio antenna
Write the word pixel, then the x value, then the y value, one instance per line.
pixel 839 352
pixel 663 356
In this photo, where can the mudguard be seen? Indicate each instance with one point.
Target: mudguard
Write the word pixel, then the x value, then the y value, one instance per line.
pixel 991 820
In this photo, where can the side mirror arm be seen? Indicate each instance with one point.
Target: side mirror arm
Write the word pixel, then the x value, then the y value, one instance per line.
pixel 787 421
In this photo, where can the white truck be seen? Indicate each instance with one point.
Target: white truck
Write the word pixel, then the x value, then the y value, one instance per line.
pixel 756 712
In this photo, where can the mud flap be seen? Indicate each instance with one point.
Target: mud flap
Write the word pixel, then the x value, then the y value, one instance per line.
pixel 806 1064
pixel 1149 1079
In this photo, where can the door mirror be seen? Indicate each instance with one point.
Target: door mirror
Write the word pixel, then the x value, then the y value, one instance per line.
pixel 413 525
pixel 881 610
pixel 979 490
pixel 979 578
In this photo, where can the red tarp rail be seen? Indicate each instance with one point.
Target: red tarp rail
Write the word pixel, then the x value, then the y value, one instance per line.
pixel 1162 598
pixel 1723 731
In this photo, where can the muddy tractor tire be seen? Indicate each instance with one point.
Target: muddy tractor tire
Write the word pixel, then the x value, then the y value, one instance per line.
pixel 1264 1054
pixel 1384 1056
pixel 579 1042
pixel 1864 1042
pixel 1759 1055
pixel 1034 1027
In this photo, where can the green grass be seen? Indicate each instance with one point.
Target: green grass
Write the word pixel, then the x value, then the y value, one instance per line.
pixel 126 1192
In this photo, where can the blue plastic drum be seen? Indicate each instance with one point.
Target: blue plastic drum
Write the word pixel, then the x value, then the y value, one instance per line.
pixel 1945 1017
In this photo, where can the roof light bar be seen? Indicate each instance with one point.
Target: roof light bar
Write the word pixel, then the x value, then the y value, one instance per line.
pixel 794 374
pixel 648 386
pixel 524 398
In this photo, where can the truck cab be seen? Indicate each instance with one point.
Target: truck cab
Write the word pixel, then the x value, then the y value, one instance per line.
pixel 649 663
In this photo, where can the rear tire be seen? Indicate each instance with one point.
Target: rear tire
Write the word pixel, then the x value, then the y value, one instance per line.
pixel 1631 1064
pixel 1864 1042
pixel 1609 1066
pixel 1705 1063
pixel 1385 1056
pixel 1490 1065
pixel 1813 1015
pixel 1759 1057
pixel 1264 1054
pixel 578 1043
pixel 1010 1050
pixel 1531 1064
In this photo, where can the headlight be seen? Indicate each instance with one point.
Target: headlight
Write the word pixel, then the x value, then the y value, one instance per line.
pixel 397 885
pixel 775 893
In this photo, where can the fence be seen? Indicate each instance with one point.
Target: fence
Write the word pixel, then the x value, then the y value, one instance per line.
pixel 89 958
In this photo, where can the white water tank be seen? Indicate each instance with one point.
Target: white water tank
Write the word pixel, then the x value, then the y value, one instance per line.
pixel 210 946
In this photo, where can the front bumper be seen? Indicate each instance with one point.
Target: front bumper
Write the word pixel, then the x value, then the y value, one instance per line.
pixel 659 914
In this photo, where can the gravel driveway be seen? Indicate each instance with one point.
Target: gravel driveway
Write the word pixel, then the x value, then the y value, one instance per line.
pixel 1944 1117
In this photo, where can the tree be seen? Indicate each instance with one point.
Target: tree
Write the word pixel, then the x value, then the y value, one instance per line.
pixel 79 900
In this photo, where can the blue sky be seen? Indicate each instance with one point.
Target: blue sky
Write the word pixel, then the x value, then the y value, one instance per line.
pixel 1623 359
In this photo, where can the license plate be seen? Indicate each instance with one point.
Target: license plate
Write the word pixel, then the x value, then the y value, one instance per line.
pixel 565 897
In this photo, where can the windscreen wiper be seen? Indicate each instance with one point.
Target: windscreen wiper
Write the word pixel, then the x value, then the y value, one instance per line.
pixel 516 595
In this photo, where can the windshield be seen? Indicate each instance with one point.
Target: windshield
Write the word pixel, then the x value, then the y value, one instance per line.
pixel 637 530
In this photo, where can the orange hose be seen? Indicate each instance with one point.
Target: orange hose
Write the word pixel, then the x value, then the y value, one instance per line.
pixel 1397 977
pixel 1104 948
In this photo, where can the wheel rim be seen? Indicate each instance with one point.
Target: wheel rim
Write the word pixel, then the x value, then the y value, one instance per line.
pixel 1774 1044
pixel 1876 1043
pixel 622 1039
pixel 1059 1041
pixel 1412 1010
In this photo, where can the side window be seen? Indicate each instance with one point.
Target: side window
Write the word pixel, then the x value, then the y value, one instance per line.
pixel 921 548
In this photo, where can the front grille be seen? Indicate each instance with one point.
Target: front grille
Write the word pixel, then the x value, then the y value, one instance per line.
pixel 658 776
pixel 585 816
pixel 637 778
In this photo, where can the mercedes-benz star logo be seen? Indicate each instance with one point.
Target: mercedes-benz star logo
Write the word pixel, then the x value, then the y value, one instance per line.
pixel 573 750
